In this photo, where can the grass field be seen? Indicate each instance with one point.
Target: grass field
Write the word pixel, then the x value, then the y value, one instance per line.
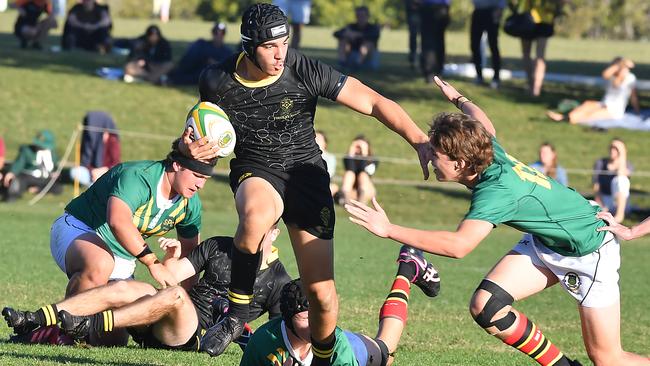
pixel 47 90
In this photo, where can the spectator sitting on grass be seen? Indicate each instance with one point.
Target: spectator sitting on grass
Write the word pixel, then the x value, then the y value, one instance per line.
pixel 100 148
pixel 547 164
pixel 200 54
pixel 150 58
pixel 30 27
pixel 329 158
pixel 621 88
pixel 357 42
pixel 88 27
pixel 611 180
pixel 359 167
pixel 33 168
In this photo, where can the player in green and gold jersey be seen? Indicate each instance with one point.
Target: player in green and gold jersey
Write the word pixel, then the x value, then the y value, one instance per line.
pixel 102 232
pixel 562 241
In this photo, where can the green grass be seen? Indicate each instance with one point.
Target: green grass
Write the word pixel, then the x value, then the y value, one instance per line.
pixel 46 90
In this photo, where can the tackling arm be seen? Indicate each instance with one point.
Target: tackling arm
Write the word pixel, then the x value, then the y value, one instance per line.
pixel 363 99
pixel 465 105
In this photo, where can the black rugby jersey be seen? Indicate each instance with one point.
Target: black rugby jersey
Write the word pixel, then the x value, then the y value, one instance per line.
pixel 214 257
pixel 274 118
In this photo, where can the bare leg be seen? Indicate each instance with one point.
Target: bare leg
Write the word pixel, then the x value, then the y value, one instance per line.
pixel 170 310
pixel 589 110
pixel 601 331
pixel 259 206
pixel 526 46
pixel 315 259
pixel 158 70
pixel 43 28
pixel 540 66
pixel 347 185
pixel 114 295
pixel 365 187
pixel 89 264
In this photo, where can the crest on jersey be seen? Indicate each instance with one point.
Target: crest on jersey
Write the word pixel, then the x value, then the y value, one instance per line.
pixel 286 105
pixel 572 282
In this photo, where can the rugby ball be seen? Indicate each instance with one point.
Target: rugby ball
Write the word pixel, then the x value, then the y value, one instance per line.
pixel 208 120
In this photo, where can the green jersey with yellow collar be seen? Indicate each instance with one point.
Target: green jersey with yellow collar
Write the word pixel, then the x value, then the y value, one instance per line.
pixel 519 196
pixel 138 184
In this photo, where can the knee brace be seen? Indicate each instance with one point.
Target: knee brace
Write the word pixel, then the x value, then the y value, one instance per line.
pixel 499 299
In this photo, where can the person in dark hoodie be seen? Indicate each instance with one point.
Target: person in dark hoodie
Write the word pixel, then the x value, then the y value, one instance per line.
pixel 100 148
pixel 33 168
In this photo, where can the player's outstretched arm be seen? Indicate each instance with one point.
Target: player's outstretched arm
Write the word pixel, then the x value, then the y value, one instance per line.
pixel 465 105
pixel 454 244
pixel 623 231
pixel 363 99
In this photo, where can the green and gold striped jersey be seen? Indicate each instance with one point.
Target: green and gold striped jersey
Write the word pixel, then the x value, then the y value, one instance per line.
pixel 137 183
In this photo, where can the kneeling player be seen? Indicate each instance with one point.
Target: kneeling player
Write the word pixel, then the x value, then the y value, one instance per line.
pixel 285 341
pixel 170 318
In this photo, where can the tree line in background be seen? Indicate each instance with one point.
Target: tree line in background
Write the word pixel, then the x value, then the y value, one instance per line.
pixel 613 19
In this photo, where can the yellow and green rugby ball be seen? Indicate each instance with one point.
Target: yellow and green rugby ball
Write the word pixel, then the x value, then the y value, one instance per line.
pixel 208 120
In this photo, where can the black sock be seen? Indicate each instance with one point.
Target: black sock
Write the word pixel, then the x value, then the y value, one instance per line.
pixel 242 278
pixel 102 322
pixel 322 351
pixel 407 269
pixel 47 315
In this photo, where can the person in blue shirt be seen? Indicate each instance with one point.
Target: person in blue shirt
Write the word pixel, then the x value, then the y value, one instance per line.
pixel 547 164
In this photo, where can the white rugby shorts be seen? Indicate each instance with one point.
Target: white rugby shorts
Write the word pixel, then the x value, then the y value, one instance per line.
pixel 65 229
pixel 591 279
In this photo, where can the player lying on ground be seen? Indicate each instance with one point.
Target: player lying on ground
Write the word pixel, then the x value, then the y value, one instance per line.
pixel 561 243
pixel 286 341
pixel 270 94
pixel 170 318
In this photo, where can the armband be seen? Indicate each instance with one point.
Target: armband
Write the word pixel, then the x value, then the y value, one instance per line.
pixel 144 252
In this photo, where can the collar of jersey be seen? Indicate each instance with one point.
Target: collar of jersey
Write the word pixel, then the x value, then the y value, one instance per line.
pixel 273 256
pixel 251 83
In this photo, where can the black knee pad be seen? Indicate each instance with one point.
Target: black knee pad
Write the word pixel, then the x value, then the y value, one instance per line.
pixel 499 299
pixel 384 351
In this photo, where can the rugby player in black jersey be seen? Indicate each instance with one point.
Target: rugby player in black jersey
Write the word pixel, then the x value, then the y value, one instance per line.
pixel 270 94
pixel 170 318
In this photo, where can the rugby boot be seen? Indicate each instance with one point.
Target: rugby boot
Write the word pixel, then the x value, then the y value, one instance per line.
pixel 21 321
pixel 426 276
pixel 77 327
pixel 220 335
pixel 43 335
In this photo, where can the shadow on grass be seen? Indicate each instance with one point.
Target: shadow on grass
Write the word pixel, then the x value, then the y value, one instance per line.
pixel 28 358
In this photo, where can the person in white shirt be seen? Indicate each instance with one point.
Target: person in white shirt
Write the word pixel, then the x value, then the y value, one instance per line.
pixel 621 89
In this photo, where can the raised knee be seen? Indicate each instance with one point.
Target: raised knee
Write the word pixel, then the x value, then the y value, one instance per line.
pixel 603 357
pixel 175 296
pixel 323 294
pixel 97 275
pixel 490 307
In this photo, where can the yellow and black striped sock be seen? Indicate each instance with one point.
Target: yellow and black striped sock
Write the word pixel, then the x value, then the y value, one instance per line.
pixel 242 280
pixel 102 322
pixel 47 315
pixel 322 351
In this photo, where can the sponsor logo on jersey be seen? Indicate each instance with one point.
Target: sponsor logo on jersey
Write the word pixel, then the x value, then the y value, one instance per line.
pixel 286 107
pixel 572 282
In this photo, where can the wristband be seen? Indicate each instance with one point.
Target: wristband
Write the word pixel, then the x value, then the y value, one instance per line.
pixel 460 101
pixel 144 252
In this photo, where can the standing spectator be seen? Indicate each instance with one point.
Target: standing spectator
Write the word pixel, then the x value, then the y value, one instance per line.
pixel 32 168
pixel 413 21
pixel 88 27
pixel 100 148
pixel 161 9
pixel 150 58
pixel 547 164
pixel 200 54
pixel 29 27
pixel 544 13
pixel 360 166
pixel 486 18
pixel 611 180
pixel 434 19
pixel 621 88
pixel 357 42
pixel 2 158
pixel 298 12
pixel 329 158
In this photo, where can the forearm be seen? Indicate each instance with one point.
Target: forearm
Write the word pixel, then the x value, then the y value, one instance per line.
pixel 443 243
pixel 395 117
pixel 641 229
pixel 473 110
